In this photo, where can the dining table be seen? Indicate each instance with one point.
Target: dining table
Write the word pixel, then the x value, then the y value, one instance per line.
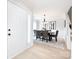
pixel 50 33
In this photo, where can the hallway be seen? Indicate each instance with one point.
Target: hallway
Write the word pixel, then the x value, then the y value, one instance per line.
pixel 44 52
pixel 45 20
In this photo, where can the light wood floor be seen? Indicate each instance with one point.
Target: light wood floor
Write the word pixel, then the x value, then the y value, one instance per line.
pixel 44 52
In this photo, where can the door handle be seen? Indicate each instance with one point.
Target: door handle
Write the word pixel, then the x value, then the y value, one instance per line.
pixel 9 29
pixel 9 34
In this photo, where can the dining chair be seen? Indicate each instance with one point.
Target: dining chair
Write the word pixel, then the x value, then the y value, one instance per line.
pixel 45 36
pixel 56 35
pixel 53 35
pixel 38 35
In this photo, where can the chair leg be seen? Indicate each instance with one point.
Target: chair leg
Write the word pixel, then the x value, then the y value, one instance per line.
pixel 50 38
pixel 56 39
pixel 42 38
pixel 36 38
pixel 47 40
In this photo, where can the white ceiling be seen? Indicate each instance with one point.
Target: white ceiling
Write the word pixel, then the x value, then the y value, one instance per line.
pixel 36 5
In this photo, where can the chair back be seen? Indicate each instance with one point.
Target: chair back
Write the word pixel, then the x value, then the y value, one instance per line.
pixel 38 33
pixel 45 33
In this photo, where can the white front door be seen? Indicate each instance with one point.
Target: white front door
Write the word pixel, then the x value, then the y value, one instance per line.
pixel 17 29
